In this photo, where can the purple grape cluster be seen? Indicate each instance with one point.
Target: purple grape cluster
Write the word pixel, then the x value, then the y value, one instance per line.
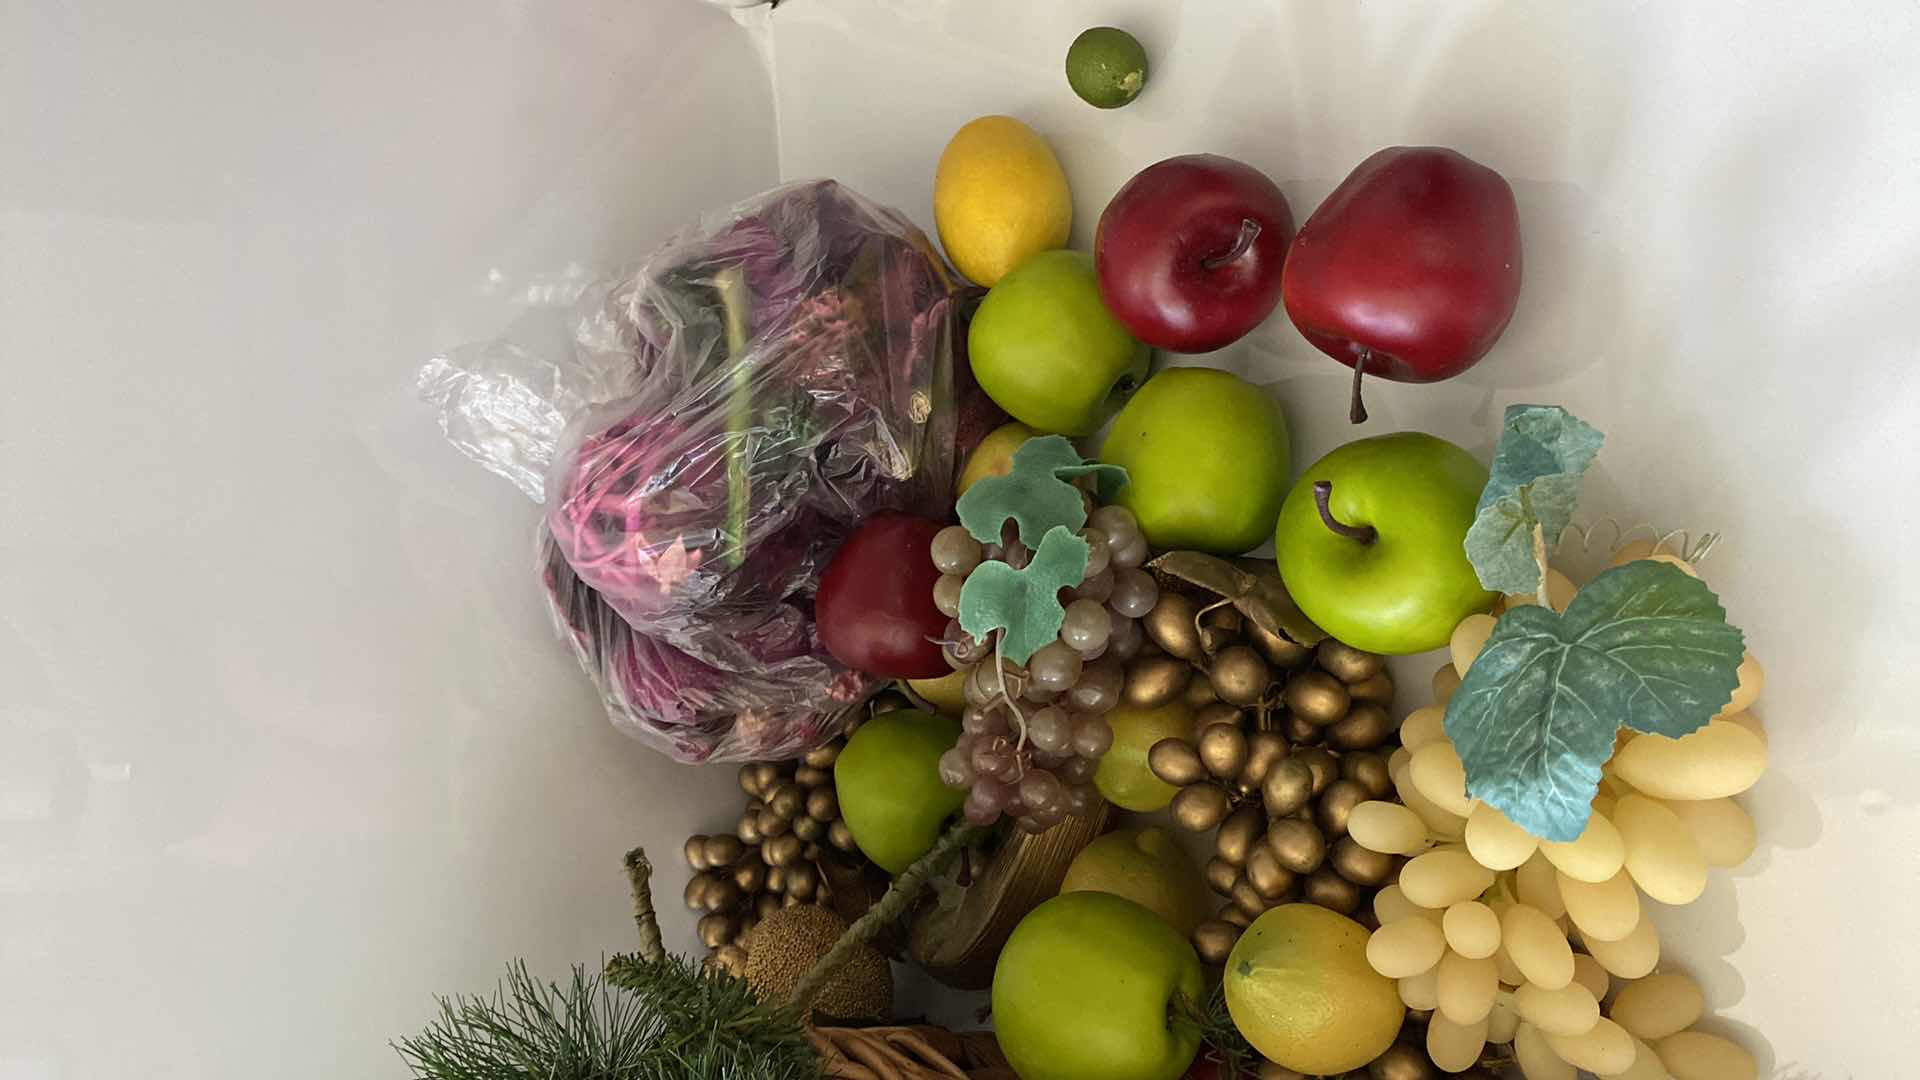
pixel 1032 735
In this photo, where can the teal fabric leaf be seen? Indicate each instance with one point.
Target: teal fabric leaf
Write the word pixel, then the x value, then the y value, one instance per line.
pixel 1037 494
pixel 1534 480
pixel 1534 719
pixel 1024 603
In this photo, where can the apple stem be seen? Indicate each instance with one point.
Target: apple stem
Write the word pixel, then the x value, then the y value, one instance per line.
pixel 1249 232
pixel 1363 534
pixel 1357 409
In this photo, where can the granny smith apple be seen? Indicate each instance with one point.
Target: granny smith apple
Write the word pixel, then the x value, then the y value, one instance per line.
pixel 947 694
pixel 1044 346
pixel 1207 460
pixel 1371 542
pixel 1085 990
pixel 888 781
pixel 1148 867
pixel 994 455
pixel 1123 777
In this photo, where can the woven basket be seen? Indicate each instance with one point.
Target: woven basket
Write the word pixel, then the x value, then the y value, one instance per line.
pixel 921 1052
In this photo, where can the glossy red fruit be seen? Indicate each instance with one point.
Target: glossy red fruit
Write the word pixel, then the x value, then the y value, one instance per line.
pixel 1410 269
pixel 1189 252
pixel 875 607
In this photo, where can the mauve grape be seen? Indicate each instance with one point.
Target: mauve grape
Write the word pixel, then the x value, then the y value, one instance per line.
pixel 1134 593
pixel 1050 730
pixel 1055 667
pixel 1082 799
pixel 989 757
pixel 955 770
pixel 1086 625
pixel 1092 737
pixel 946 594
pixel 1040 790
pixel 1123 643
pixel 1129 552
pixel 1096 550
pixel 1098 690
pixel 954 551
pixel 1111 519
pixel 1096 587
pixel 1078 771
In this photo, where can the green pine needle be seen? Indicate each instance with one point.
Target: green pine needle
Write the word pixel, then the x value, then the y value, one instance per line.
pixel 1220 1039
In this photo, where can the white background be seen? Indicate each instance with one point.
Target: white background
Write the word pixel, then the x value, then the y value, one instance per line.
pixel 285 743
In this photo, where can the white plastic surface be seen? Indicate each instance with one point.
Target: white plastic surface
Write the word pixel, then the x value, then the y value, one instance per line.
pixel 285 743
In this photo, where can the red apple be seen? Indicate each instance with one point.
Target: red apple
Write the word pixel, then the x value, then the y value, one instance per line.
pixel 874 606
pixel 1189 252
pixel 1410 269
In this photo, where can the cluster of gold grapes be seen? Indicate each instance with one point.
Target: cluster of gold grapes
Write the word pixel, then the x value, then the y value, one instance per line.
pixel 1482 923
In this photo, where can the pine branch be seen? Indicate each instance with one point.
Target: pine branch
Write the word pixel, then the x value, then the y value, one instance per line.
pixel 1220 1040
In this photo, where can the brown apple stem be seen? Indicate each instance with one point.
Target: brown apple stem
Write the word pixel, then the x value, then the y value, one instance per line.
pixel 1361 534
pixel 1249 232
pixel 1357 410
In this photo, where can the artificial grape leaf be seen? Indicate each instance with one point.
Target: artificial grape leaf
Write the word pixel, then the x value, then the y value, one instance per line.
pixel 1534 482
pixel 1534 719
pixel 1024 603
pixel 1037 494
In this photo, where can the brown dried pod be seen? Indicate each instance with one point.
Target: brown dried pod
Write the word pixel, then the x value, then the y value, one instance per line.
pixel 766 778
pixel 1171 626
pixel 1346 663
pixel 1248 899
pixel 1297 844
pixel 1198 694
pixel 1288 786
pixel 1316 696
pixel 731 959
pixel 722 894
pixel 776 879
pixel 1271 879
pixel 1235 917
pixel 1221 875
pixel 696 891
pixel 1214 940
pixel 772 824
pixel 802 878
pixel 1358 865
pixel 1280 650
pixel 717 929
pixel 788 800
pixel 1335 803
pixel 809 777
pixel 1223 750
pixel 1324 766
pixel 749 828
pixel 812 852
pixel 1369 771
pixel 750 875
pixel 840 836
pixel 1199 807
pixel 823 804
pixel 1331 891
pixel 696 852
pixel 1240 834
pixel 723 851
pixel 1264 750
pixel 1253 586
pixel 1239 676
pixel 789 900
pixel 1176 762
pixel 1152 681
pixel 1216 712
pixel 1365 726
pixel 781 850
pixel 765 904
pixel 809 829
pixel 1301 731
pixel 824 755
pixel 750 779
pixel 1404 1061
pixel 1377 689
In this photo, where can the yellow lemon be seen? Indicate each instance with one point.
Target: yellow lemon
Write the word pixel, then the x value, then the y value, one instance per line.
pixel 1123 777
pixel 947 694
pixel 1300 989
pixel 994 455
pixel 999 196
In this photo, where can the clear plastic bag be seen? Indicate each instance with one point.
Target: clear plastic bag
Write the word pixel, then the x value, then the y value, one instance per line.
pixel 756 388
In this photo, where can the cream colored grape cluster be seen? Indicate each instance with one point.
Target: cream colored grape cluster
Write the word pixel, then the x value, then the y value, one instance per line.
pixel 1482 922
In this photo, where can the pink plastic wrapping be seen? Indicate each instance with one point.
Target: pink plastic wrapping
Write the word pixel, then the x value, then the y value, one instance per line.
pixel 791 367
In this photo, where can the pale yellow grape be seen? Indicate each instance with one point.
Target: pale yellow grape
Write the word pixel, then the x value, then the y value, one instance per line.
pixel 1560 591
pixel 1504 1020
pixel 1658 1006
pixel 1422 726
pixel 1646 1066
pixel 1443 825
pixel 1721 829
pixel 1538 946
pixel 1387 827
pixel 1421 991
pixel 1436 770
pixel 1407 947
pixel 1391 905
pixel 1750 722
pixel 1496 842
pixel 1696 1055
pixel 1719 760
pixel 1472 929
pixel 1468 639
pixel 1753 679
pixel 1633 956
pixel 1588 973
pixel 1455 1047
pixel 1607 911
pixel 1605 1048
pixel 1610 781
pixel 1442 878
pixel 1466 988
pixel 1596 856
pixel 1604 803
pixel 1661 854
pixel 1509 971
pixel 1446 679
pixel 1570 1010
pixel 1536 1059
pixel 1537 884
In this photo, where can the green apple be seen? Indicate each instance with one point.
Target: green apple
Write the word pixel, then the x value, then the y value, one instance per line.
pixel 1123 778
pixel 1044 346
pixel 947 694
pixel 994 454
pixel 888 781
pixel 1148 867
pixel 1207 460
pixel 1384 568
pixel 1085 989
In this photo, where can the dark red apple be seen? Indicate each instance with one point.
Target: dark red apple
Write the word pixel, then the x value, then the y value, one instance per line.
pixel 1189 252
pixel 874 606
pixel 1410 269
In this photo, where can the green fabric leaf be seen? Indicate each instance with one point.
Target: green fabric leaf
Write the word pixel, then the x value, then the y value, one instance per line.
pixel 1534 719
pixel 1024 603
pixel 1037 494
pixel 1534 480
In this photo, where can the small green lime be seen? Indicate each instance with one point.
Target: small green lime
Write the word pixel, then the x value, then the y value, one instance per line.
pixel 1107 67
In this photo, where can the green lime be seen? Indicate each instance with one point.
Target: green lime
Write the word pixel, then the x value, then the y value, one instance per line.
pixel 1106 67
